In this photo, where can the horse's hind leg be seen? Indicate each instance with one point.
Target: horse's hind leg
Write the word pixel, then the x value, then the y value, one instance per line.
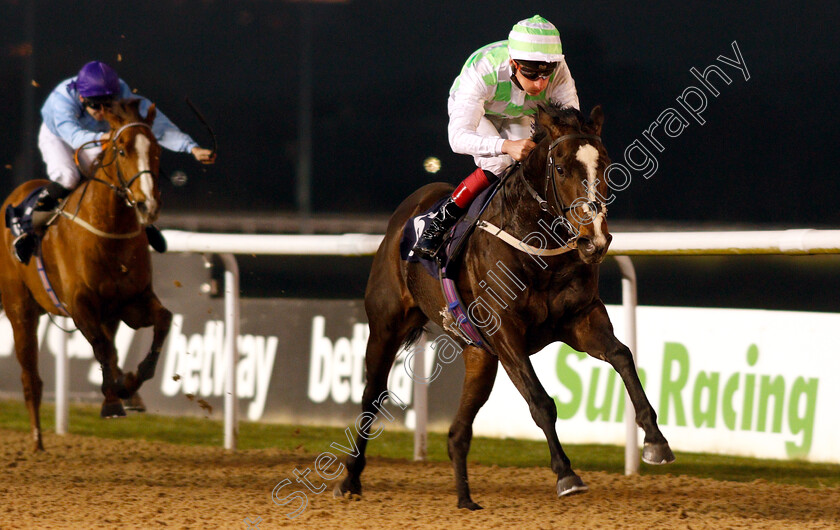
pixel 383 343
pixel 593 333
pixel 480 375
pixel 147 311
pixel 23 314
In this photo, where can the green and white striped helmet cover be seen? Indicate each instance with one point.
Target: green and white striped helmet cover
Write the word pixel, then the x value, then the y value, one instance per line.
pixel 535 39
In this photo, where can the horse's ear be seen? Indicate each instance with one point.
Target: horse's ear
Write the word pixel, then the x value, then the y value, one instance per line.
pixel 545 120
pixel 111 116
pixel 597 117
pixel 150 114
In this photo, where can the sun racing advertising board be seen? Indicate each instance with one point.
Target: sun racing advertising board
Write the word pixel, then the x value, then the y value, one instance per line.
pixel 741 382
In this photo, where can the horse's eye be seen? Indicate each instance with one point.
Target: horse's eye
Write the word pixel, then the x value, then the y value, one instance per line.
pixel 122 152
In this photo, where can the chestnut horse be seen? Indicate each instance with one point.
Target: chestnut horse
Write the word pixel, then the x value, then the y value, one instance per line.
pixel 96 257
pixel 556 294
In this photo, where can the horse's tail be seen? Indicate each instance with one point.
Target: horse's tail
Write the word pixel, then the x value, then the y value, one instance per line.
pixel 412 337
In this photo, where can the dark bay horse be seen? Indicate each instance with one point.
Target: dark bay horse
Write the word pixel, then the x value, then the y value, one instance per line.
pixel 556 298
pixel 96 257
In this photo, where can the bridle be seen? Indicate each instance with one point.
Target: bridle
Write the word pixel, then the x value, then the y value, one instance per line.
pixel 559 210
pixel 123 191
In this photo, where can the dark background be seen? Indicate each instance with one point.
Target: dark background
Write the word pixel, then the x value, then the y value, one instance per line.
pixel 382 70
pixel 766 158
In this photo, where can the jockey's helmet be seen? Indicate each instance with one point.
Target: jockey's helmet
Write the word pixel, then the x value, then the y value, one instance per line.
pixel 96 79
pixel 535 39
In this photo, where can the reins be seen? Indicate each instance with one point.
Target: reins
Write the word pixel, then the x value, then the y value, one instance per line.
pixel 550 168
pixel 558 210
pixel 123 191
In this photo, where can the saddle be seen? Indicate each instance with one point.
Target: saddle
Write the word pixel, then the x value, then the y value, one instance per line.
pixel 19 219
pixel 447 257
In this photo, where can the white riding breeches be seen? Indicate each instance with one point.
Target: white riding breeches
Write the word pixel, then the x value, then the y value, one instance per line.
pixel 507 128
pixel 58 156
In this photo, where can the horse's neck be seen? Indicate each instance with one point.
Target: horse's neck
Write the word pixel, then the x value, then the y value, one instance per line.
pixel 100 205
pixel 514 206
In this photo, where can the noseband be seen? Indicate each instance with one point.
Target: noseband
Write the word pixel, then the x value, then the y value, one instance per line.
pixel 559 210
pixel 124 189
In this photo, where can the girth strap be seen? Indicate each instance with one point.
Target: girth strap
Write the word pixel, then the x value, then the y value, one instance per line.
pixel 45 281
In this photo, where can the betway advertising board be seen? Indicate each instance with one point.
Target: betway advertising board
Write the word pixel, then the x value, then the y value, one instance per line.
pixel 741 382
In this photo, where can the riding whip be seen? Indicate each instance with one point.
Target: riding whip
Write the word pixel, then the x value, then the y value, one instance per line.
pixel 207 125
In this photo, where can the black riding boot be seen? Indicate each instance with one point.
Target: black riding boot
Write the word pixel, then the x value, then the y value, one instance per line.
pixel 48 199
pixel 156 239
pixel 443 221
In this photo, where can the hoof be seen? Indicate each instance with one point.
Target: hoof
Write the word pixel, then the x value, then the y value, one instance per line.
pixel 339 493
pixel 469 505
pixel 113 409
pixel 134 403
pixel 348 488
pixel 570 485
pixel 657 454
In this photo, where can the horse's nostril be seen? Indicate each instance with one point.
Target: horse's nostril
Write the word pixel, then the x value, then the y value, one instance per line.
pixel 142 207
pixel 586 245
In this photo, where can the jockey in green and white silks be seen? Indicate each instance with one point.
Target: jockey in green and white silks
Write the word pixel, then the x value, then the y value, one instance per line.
pixel 492 104
pixel 487 106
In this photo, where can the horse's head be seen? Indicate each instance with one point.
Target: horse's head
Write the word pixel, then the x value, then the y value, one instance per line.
pixel 134 153
pixel 568 168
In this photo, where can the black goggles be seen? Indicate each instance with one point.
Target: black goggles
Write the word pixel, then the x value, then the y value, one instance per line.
pixel 97 103
pixel 533 74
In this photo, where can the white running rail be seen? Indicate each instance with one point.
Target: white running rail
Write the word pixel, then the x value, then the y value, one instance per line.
pixel 794 241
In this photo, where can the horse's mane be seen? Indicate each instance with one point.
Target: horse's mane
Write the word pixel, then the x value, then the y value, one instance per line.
pixel 560 116
pixel 126 109
pixel 566 116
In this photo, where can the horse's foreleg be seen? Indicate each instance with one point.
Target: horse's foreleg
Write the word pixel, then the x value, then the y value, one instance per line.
pixel 544 412
pixel 594 334
pixel 480 375
pixel 101 338
pixel 147 312
pixel 24 319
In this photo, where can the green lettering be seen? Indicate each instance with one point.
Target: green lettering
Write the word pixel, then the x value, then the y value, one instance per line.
pixel 570 379
pixel 749 389
pixel 804 423
pixel 749 394
pixel 671 387
pixel 709 383
pixel 729 416
pixel 776 390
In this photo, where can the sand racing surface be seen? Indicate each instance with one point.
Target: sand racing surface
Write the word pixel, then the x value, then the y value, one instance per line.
pixel 86 482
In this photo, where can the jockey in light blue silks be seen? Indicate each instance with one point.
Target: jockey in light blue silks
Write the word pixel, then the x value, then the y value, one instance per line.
pixel 74 115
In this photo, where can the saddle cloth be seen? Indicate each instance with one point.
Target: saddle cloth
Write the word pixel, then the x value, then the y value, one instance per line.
pixel 19 218
pixel 415 226
pixel 456 319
